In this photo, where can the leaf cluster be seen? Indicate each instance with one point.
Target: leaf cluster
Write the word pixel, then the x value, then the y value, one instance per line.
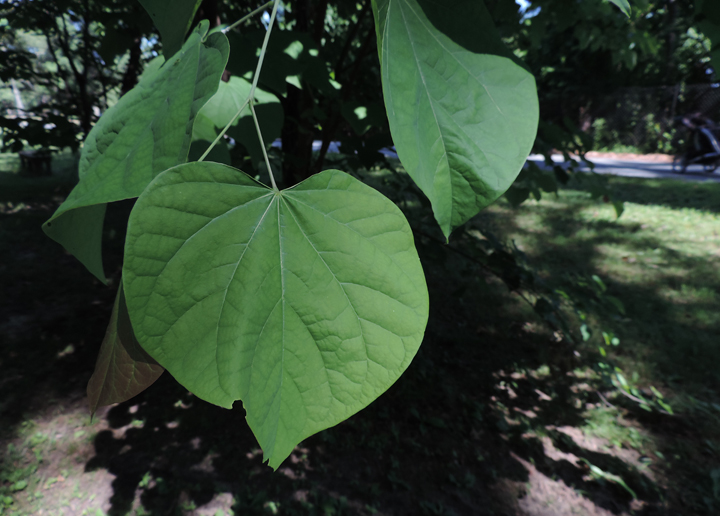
pixel 304 303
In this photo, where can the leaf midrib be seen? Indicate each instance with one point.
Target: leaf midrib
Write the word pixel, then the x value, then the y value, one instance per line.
pixel 445 156
pixel 227 288
pixel 335 278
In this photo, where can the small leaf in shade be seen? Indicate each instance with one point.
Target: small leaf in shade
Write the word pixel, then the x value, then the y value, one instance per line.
pixel 363 116
pixel 517 195
pixel 624 6
pixel 290 56
pixel 218 154
pixel 123 369
pixel 147 131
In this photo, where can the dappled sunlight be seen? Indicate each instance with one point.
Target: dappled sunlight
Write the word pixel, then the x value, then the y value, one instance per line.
pixel 496 414
pixel 661 259
pixel 436 441
pixel 570 458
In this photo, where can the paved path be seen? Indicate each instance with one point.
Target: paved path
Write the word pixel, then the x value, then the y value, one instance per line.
pixel 616 167
pixel 641 169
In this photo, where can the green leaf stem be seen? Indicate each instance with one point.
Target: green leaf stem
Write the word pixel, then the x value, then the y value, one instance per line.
pixel 306 303
pixel 223 106
pixel 291 56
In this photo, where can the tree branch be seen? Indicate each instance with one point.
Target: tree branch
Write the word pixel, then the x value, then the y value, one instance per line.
pixel 65 46
pixel 61 70
pixel 80 78
pixel 349 86
pixel 351 37
pixel 319 21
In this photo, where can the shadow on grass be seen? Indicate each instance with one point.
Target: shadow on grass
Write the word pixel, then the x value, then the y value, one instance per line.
pixel 453 436
pixel 667 192
pixel 671 328
pixel 670 297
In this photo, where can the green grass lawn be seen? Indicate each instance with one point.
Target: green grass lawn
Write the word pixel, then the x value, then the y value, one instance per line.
pixel 661 257
pixel 496 415
pixel 63 163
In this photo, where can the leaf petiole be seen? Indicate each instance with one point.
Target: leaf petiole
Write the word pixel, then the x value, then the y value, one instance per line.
pixel 222 133
pixel 262 145
pixel 263 50
pixel 251 95
pixel 247 17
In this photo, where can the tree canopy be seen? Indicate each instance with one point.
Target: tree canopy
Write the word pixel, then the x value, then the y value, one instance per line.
pixel 72 59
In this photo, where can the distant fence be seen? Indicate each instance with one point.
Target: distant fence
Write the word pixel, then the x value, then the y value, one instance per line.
pixel 644 118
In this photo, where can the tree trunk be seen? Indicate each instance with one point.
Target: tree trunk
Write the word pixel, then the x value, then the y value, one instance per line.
pixel 208 10
pixel 130 77
pixel 297 137
pixel 672 38
pixel 19 106
pixel 298 131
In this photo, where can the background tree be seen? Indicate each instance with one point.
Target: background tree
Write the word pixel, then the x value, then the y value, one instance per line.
pixel 329 85
pixel 581 52
pixel 71 60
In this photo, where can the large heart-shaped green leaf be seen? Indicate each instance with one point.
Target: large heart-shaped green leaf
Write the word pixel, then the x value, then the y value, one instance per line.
pixel 306 304
pixel 123 369
pixel 173 20
pixel 462 119
pixel 147 131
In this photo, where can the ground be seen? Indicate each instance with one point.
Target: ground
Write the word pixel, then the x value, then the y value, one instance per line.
pixel 495 416
pixel 626 156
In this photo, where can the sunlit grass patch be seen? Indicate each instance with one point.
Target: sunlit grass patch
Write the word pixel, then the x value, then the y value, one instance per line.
pixel 44 466
pixel 64 162
pixel 606 423
pixel 661 258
